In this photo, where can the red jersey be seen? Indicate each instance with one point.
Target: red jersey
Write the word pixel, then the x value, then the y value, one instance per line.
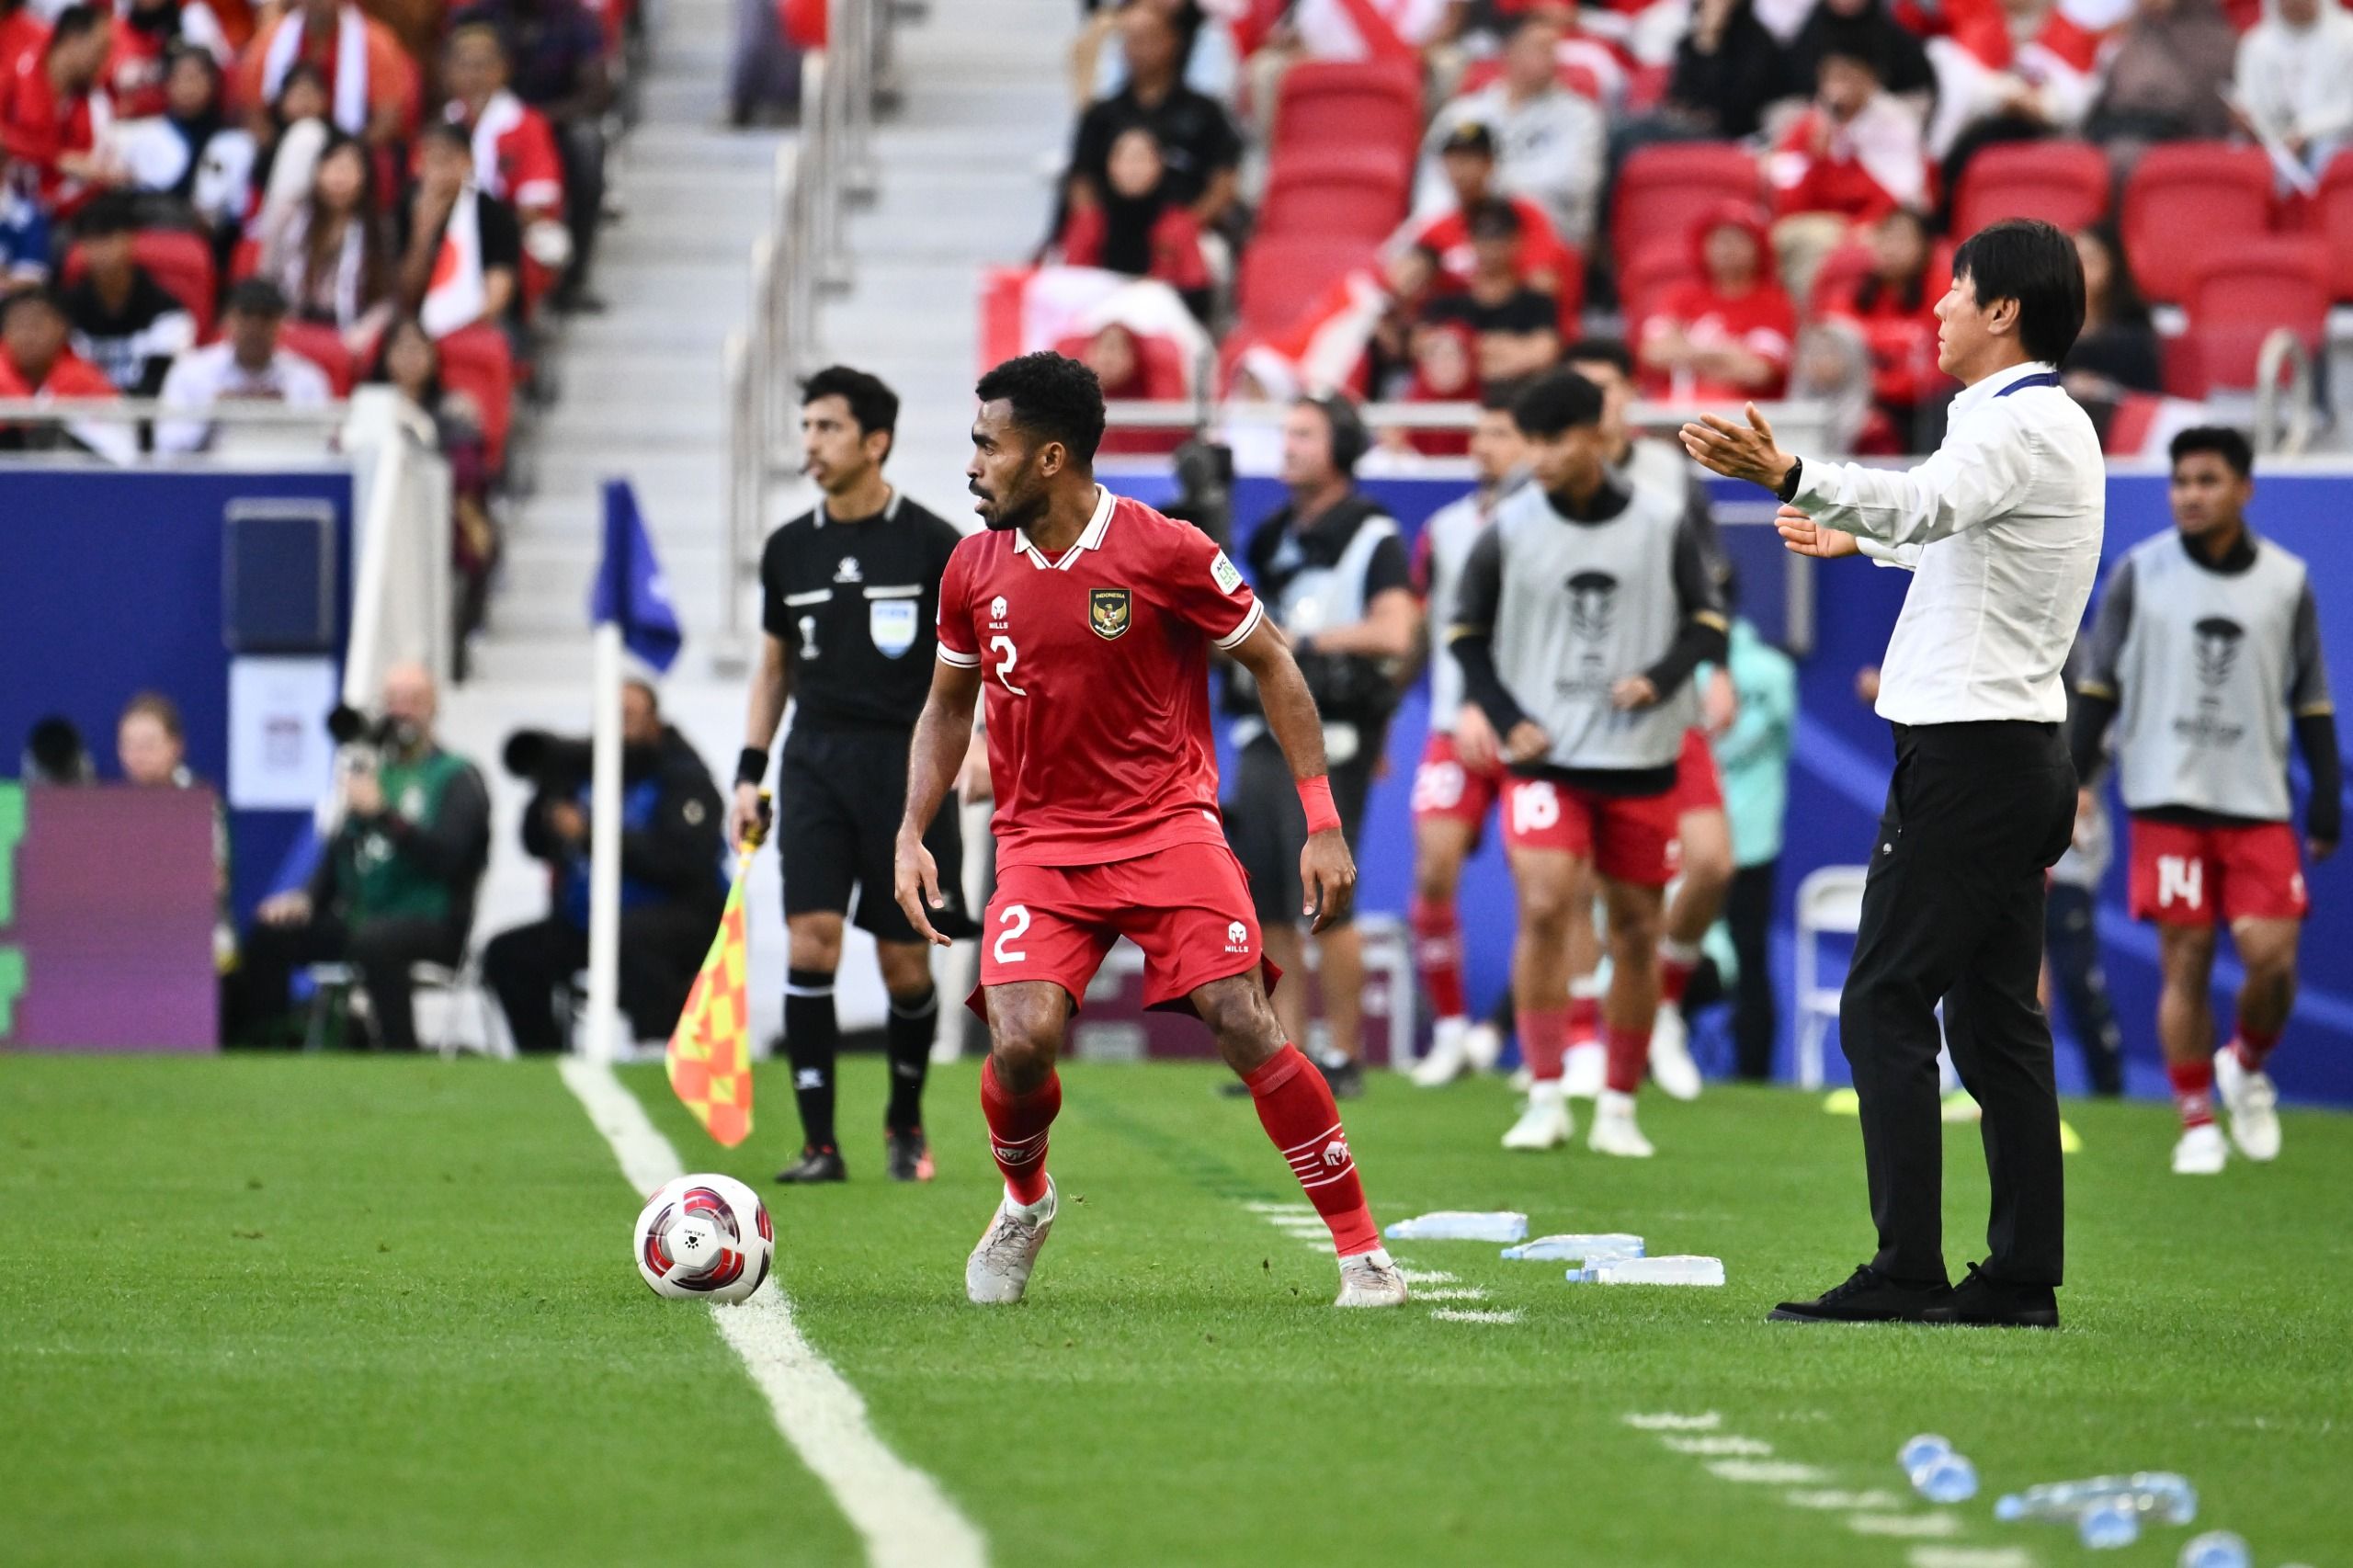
pixel 1096 670
pixel 37 128
pixel 1761 321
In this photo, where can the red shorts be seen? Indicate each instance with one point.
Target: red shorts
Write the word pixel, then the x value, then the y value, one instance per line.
pixel 2187 876
pixel 1444 791
pixel 1698 787
pixel 1186 906
pixel 1631 838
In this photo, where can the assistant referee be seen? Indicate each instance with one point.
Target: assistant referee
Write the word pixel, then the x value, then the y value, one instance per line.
pixel 850 597
pixel 2001 530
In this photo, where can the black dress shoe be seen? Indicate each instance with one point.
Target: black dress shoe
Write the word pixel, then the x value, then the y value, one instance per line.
pixel 1868 1296
pixel 816 1164
pixel 1983 1301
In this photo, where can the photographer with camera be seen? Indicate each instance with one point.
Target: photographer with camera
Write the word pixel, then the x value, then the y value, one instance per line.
pixel 1331 570
pixel 394 885
pixel 674 875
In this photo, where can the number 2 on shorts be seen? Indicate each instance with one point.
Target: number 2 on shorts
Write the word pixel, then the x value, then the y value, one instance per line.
pixel 1016 920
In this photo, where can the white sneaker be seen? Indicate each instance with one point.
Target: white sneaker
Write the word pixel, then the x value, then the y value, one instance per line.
pixel 998 1271
pixel 1482 1044
pixel 1584 1069
pixel 1672 1068
pixel 2254 1104
pixel 1446 1057
pixel 1370 1280
pixel 1546 1123
pixel 1519 1080
pixel 2201 1152
pixel 1614 1131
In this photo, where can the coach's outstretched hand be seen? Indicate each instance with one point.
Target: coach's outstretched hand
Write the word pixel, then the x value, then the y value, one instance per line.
pixel 1803 536
pixel 1737 452
pixel 1328 872
pixel 914 879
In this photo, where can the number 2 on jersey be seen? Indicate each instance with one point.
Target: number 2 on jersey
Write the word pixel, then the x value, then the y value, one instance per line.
pixel 1002 646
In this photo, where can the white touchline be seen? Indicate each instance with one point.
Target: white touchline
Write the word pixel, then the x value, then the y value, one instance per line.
pixel 1768 1472
pixel 1938 1524
pixel 1672 1421
pixel 1971 1557
pixel 1718 1446
pixel 905 1518
pixel 1450 1315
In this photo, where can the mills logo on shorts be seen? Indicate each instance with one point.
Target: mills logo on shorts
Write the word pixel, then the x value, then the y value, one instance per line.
pixel 1106 611
pixel 1237 937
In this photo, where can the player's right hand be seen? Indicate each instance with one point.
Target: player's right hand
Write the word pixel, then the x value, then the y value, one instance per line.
pixel 915 880
pixel 1803 536
pixel 743 813
pixel 1328 872
pixel 1474 739
pixel 1527 743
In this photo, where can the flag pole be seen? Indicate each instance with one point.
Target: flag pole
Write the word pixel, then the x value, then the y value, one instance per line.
pixel 605 822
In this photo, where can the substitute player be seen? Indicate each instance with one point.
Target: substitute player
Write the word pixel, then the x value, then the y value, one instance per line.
pixel 1089 620
pixel 1590 689
pixel 2206 653
pixel 849 593
pixel 1461 774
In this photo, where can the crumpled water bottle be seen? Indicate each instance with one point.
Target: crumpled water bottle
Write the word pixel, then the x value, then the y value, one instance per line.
pixel 1937 1470
pixel 2107 1526
pixel 2216 1549
pixel 1577 1248
pixel 1459 1225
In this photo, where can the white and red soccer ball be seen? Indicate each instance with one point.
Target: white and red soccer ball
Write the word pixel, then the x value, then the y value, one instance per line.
pixel 705 1238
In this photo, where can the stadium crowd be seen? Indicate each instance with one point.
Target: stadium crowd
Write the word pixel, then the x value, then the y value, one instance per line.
pixel 1419 199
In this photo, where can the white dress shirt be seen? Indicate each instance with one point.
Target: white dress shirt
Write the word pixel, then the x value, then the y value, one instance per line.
pixel 211 374
pixel 2001 530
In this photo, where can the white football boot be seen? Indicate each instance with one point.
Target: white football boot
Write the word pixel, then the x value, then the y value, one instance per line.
pixel 1672 1068
pixel 1614 1131
pixel 2201 1152
pixel 1449 1057
pixel 1584 1069
pixel 1483 1047
pixel 1546 1123
pixel 2254 1104
pixel 1370 1279
pixel 998 1271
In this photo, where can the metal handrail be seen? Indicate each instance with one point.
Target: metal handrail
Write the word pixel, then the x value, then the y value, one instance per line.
pixel 131 410
pixel 1799 424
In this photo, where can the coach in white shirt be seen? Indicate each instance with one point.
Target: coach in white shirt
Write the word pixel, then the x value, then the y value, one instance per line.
pixel 247 363
pixel 2001 530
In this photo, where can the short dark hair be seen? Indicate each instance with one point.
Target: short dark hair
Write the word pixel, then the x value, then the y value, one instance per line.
pixel 1560 401
pixel 2220 439
pixel 76 20
pixel 447 134
pixel 1053 398
pixel 873 404
pixel 256 297
pixel 112 213
pixel 1610 351
pixel 2030 261
pixel 1499 397
pixel 1494 217
pixel 44 295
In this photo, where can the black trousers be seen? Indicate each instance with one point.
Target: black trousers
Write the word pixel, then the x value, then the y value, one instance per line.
pixel 2072 943
pixel 1755 1015
pixel 381 950
pixel 1953 913
pixel 662 947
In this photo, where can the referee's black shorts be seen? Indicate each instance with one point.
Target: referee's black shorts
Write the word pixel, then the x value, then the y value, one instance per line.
pixel 840 794
pixel 1268 827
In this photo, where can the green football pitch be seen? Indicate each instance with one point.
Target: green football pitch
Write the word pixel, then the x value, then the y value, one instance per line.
pixel 337 1309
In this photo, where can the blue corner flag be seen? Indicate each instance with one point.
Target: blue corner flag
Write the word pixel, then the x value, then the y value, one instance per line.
pixel 628 588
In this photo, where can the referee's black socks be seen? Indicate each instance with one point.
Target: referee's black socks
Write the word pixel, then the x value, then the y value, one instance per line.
pixel 812 1038
pixel 915 1019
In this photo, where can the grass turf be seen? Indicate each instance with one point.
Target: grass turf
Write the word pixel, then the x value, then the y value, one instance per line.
pixel 364 1311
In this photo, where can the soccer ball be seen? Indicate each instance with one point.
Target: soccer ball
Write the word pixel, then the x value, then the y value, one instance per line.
pixel 704 1238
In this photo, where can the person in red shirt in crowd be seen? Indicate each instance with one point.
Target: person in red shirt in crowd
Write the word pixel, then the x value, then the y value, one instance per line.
pixel 146 33
pixel 22 34
pixel 1138 228
pixel 1854 157
pixel 1892 307
pixel 1726 334
pixel 53 108
pixel 515 159
pixel 36 362
pixel 1433 251
pixel 371 82
pixel 1512 327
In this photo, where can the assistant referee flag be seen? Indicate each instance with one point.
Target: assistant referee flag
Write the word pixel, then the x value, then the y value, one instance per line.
pixel 710 1051
pixel 630 588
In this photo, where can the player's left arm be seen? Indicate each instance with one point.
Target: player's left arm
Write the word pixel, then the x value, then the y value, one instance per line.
pixel 1702 639
pixel 2316 735
pixel 1326 870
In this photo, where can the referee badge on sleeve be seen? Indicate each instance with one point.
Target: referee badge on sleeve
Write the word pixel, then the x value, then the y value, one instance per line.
pixel 892 624
pixel 1106 611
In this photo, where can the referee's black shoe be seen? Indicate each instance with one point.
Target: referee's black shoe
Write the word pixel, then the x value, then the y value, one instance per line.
pixel 816 1164
pixel 1983 1301
pixel 1868 1296
pixel 908 1154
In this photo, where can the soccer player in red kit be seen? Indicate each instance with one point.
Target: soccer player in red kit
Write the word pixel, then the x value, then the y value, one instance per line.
pixel 1089 620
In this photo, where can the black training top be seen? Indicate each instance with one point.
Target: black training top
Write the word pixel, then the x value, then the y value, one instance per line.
pixel 856 605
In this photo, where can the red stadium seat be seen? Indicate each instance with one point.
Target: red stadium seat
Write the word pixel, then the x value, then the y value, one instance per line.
pixel 477 360
pixel 1282 275
pixel 322 346
pixel 1352 192
pixel 2332 216
pixel 1643 281
pixel 2242 295
pixel 1662 191
pixel 2063 183
pixel 2182 198
pixel 180 262
pixel 1369 107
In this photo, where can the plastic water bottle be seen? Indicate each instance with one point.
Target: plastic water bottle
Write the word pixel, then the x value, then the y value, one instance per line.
pixel 1671 1270
pixel 1921 1449
pixel 1577 1248
pixel 1947 1478
pixel 1459 1225
pixel 2216 1549
pixel 2159 1494
pixel 2107 1526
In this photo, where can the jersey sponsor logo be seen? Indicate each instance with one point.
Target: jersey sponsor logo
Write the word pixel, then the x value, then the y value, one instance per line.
pixel 892 624
pixel 1237 937
pixel 996 609
pixel 1222 572
pixel 2214 642
pixel 1107 611
pixel 1335 1154
pixel 847 571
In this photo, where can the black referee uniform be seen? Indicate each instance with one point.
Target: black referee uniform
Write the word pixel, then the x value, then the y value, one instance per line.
pixel 855 606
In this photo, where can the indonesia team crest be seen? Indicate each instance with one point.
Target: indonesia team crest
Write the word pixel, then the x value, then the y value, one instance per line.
pixel 1106 611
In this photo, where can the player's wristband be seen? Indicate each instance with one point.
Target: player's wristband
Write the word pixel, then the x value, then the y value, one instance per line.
pixel 751 765
pixel 1316 798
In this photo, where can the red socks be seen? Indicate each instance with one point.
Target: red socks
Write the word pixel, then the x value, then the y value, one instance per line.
pixel 2254 1049
pixel 2193 1091
pixel 1585 1019
pixel 1017 1126
pixel 1438 955
pixel 1543 1038
pixel 1296 1108
pixel 1630 1058
pixel 1675 962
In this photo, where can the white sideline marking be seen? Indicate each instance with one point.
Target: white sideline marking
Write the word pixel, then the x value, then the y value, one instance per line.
pixel 1453 1314
pixel 1971 1557
pixel 1875 1498
pixel 1770 1472
pixel 1280 1208
pixel 1668 1421
pixel 905 1518
pixel 1426 1275
pixel 1904 1524
pixel 1740 1448
pixel 1466 1293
